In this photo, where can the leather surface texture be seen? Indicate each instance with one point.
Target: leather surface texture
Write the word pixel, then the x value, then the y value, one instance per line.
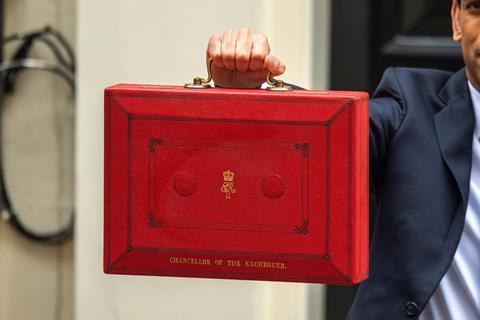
pixel 236 184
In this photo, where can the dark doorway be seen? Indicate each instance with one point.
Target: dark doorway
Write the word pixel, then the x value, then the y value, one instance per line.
pixel 370 35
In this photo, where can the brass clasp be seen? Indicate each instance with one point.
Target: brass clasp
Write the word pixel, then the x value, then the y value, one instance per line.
pixel 199 83
pixel 277 85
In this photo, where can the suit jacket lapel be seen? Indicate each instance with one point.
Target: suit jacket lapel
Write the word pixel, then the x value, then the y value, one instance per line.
pixel 454 126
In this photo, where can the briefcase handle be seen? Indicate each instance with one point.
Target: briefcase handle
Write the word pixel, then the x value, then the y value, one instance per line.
pixel 200 83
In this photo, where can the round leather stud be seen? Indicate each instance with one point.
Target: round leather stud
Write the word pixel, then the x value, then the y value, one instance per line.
pixel 184 184
pixel 273 186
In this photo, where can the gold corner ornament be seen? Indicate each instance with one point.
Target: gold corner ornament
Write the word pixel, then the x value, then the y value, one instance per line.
pixel 227 187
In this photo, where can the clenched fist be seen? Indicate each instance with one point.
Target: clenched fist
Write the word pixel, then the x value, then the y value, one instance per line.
pixel 241 59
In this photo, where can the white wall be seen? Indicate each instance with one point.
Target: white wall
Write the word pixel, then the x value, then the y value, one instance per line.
pixel 163 42
pixel 36 281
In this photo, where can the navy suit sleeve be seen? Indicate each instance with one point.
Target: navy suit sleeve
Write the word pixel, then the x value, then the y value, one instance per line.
pixel 386 112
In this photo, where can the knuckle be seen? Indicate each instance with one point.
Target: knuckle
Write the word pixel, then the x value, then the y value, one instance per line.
pixel 242 58
pixel 244 45
pixel 217 37
pixel 228 54
pixel 228 60
pixel 212 41
pixel 228 49
pixel 257 55
pixel 242 55
pixel 226 34
pixel 240 44
pixel 244 30
pixel 214 54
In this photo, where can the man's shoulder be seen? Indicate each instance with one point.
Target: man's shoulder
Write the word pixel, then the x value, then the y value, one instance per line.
pixel 408 81
pixel 419 73
pixel 414 78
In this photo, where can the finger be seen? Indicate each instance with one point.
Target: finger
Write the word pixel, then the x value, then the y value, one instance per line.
pixel 260 49
pixel 229 39
pixel 243 49
pixel 274 65
pixel 214 50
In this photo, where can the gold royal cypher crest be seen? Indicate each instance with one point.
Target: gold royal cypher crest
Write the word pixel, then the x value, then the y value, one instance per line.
pixel 227 187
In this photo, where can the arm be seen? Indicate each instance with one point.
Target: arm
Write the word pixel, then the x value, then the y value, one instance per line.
pixel 386 113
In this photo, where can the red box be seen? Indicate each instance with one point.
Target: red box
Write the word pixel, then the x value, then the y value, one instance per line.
pixel 236 184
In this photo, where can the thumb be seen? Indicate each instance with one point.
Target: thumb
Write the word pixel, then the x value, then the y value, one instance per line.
pixel 274 65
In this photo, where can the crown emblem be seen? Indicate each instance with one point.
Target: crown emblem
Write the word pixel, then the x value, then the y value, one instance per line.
pixel 227 188
pixel 228 176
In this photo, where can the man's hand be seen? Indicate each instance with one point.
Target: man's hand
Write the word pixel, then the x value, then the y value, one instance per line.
pixel 242 59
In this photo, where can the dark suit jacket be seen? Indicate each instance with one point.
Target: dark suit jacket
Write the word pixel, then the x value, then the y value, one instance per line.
pixel 421 131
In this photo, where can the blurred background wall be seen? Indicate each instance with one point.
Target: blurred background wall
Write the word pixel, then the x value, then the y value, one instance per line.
pixel 36 281
pixel 163 42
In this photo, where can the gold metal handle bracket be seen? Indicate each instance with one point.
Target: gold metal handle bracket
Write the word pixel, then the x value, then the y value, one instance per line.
pixel 199 83
pixel 277 85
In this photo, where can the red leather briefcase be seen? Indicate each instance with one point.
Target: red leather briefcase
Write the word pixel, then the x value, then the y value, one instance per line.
pixel 236 184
